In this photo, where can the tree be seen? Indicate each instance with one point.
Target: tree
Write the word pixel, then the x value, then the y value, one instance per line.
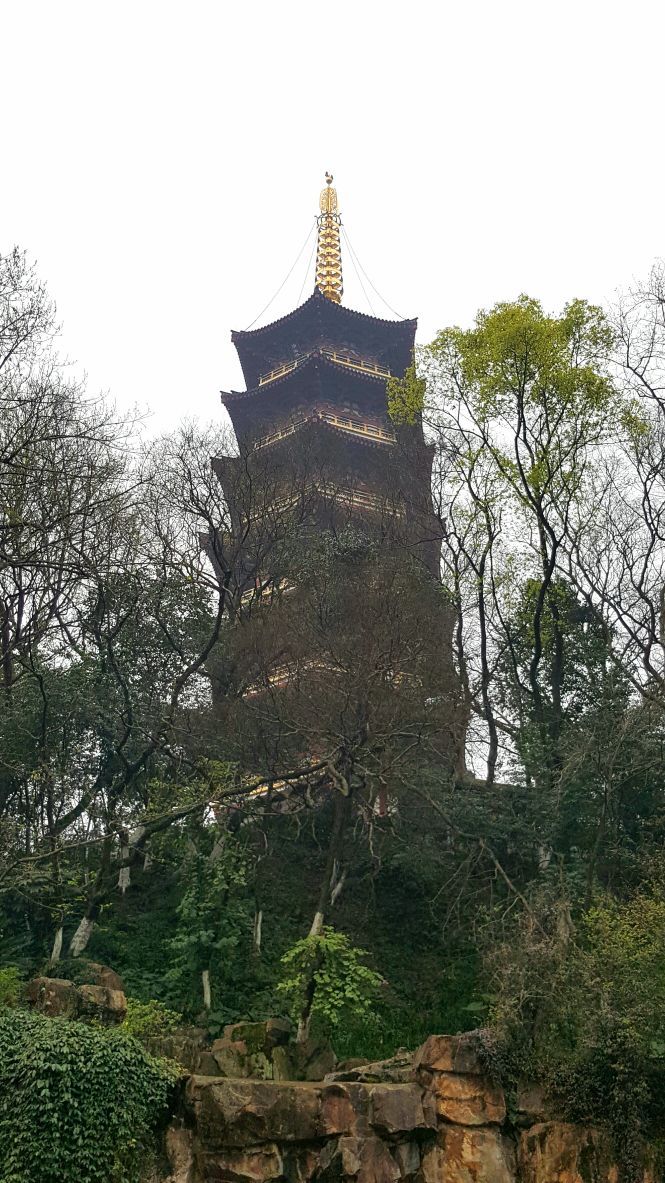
pixel 518 405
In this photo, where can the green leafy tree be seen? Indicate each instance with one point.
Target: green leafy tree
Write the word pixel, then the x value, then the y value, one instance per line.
pixel 326 981
pixel 213 920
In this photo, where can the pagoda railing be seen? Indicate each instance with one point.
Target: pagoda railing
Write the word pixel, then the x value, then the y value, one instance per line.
pixel 343 494
pixel 283 432
pixel 355 363
pixel 342 359
pixel 367 500
pixel 279 371
pixel 358 427
pixel 354 426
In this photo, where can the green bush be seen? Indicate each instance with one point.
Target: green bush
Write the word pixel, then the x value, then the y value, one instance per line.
pixel 10 985
pixel 150 1018
pixel 77 1104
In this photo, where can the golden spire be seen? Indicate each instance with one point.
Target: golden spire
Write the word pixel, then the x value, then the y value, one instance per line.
pixel 329 253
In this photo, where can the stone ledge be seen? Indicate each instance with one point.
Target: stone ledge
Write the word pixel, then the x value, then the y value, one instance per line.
pixel 240 1112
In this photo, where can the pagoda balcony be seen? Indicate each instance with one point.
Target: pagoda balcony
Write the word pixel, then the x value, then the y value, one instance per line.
pixel 341 359
pixel 355 427
pixel 353 498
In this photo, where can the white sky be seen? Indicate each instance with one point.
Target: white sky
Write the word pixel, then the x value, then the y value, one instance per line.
pixel 162 163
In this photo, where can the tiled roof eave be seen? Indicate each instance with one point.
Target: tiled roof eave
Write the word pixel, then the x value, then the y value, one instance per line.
pixel 340 310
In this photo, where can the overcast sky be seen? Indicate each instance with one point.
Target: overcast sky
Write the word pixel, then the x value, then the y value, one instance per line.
pixel 162 163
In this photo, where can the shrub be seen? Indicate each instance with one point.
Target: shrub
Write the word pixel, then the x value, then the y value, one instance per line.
pixel 10 985
pixel 584 1013
pixel 76 1103
pixel 149 1018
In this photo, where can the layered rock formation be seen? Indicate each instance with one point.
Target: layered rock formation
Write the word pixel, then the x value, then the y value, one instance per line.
pixel 432 1118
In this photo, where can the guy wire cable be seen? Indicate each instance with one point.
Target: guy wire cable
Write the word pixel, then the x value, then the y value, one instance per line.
pixel 307 270
pixel 375 289
pixel 355 268
pixel 286 277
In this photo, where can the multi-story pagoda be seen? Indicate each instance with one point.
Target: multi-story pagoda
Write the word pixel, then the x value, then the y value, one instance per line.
pixel 315 411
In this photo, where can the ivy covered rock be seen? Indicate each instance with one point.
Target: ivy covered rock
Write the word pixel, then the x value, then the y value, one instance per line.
pixel 76 1102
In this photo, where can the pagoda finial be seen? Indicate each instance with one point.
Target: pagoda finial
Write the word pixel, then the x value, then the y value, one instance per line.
pixel 329 252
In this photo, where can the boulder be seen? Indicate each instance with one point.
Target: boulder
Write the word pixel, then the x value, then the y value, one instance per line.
pixel 259 1037
pixel 261 1051
pixel 233 1058
pixel 396 1109
pixel 58 997
pixel 55 997
pixel 466 1099
pixel 367 1160
pixel 407 1157
pixel 339 1115
pixel 251 1164
pixel 105 1006
pixel 566 1153
pixel 102 975
pixel 467 1155
pixel 180 1155
pixel 284 1063
pixel 311 1060
pixel 238 1113
pixel 450 1053
pixel 375 1162
pixel 231 1113
pixel 314 1059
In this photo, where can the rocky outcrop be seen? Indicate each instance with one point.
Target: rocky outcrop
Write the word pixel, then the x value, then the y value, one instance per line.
pixel 259 1130
pixel 432 1118
pixel 252 1051
pixel 448 1067
pixel 59 997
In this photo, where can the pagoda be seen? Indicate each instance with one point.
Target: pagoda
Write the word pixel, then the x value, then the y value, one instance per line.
pixel 314 412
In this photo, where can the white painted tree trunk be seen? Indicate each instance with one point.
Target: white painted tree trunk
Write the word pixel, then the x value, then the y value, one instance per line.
pixel 336 891
pixel 317 925
pixel 124 877
pixel 57 946
pixel 258 926
pixel 207 999
pixel 81 937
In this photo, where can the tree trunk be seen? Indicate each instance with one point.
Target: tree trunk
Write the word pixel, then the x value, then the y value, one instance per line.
pixel 57 946
pixel 205 980
pixel 81 937
pixel 342 806
pixel 258 926
pixel 341 814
